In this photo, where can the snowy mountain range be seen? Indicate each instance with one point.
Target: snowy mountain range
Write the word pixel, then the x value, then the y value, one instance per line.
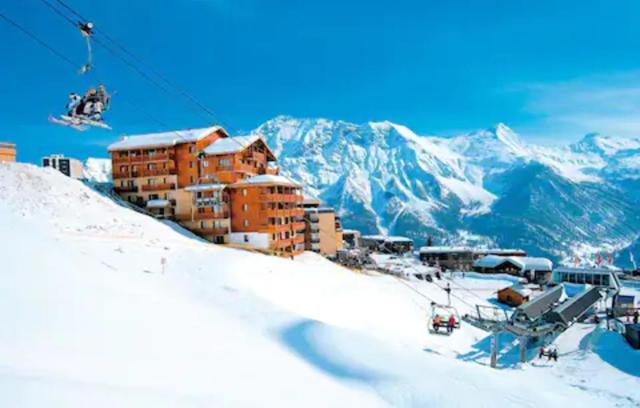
pixel 487 187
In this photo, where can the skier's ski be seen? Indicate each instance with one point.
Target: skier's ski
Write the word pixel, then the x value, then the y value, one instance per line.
pixel 71 124
pixel 85 121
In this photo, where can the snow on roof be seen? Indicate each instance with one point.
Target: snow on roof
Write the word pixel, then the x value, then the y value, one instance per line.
pixel 158 203
pixel 440 249
pixel 499 251
pixel 206 187
pixel 231 144
pixel 525 263
pixel 519 289
pixel 490 261
pixel 599 271
pixel 350 231
pixel 385 238
pixel 398 239
pixel 374 237
pixel 268 179
pixel 528 263
pixel 162 139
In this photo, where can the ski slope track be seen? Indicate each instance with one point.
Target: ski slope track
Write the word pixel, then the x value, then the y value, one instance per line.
pixel 90 317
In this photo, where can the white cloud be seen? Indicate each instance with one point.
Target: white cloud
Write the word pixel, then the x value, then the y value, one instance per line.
pixel 567 110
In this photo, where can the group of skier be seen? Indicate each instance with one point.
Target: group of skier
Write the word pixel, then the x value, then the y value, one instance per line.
pixel 438 321
pixel 551 353
pixel 90 106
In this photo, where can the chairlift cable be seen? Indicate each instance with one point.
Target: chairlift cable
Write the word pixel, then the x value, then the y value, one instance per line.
pixel 38 40
pixel 141 72
pixel 156 72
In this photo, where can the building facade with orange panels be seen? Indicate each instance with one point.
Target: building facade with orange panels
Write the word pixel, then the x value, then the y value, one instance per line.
pixel 267 213
pixel 152 170
pixel 7 152
pixel 210 215
pixel 224 189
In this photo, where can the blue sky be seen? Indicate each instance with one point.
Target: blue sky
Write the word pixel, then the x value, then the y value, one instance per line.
pixel 551 70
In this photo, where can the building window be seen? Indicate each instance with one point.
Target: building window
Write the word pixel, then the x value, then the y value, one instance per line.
pixel 205 163
pixel 192 148
pixel 199 194
pixel 224 162
pixel 245 207
pixel 244 192
pixel 246 238
pixel 246 223
pixel 190 164
pixel 192 179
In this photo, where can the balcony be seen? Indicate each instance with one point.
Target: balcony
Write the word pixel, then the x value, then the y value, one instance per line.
pixel 210 231
pixel 120 174
pixel 237 167
pixel 281 198
pixel 298 239
pixel 281 243
pixel 278 227
pixel 119 160
pixel 158 157
pixel 158 187
pixel 211 215
pixel 209 201
pixel 284 212
pixel 126 189
pixel 158 172
pixel 299 226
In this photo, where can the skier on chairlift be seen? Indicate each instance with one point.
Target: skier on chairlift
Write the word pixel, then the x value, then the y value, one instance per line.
pixel 74 100
pixel 451 324
pixel 437 321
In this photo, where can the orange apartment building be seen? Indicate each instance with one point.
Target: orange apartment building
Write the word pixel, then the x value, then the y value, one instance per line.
pixel 7 152
pixel 221 188
pixel 152 170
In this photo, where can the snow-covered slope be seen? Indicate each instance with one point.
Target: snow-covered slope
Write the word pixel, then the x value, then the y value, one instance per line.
pixel 382 177
pixel 91 318
pixel 97 170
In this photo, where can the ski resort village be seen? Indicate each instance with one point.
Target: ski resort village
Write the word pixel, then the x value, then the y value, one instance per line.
pixel 185 220
pixel 186 267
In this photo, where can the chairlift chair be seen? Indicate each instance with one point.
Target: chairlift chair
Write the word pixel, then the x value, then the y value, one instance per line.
pixel 444 312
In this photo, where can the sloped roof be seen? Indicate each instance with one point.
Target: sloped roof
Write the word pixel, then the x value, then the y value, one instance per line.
pixel 528 263
pixel 443 249
pixel 205 187
pixel 268 179
pixel 234 144
pixel 490 261
pixel 163 139
pixel 541 304
pixel 525 263
pixel 159 203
